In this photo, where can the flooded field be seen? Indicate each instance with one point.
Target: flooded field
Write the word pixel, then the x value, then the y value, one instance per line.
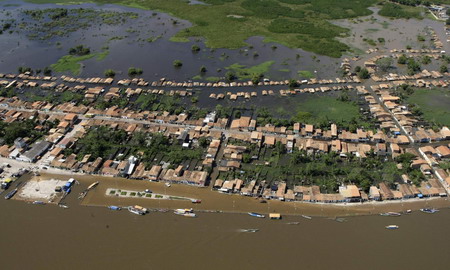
pixel 397 34
pixel 144 42
pixel 94 237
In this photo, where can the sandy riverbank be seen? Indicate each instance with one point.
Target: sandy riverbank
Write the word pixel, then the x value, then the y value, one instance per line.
pixel 214 201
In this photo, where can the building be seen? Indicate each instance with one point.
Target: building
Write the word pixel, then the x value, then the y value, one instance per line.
pixel 37 149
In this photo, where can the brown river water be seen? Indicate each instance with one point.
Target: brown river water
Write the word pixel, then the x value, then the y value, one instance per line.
pixel 93 237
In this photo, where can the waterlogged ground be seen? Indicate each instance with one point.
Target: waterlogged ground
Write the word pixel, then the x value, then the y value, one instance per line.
pixel 142 39
pixel 393 34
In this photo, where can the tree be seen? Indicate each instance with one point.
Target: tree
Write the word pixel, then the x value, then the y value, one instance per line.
pixel 177 63
pixel 256 78
pixel 443 69
pixel 132 71
pixel 426 60
pixel 402 59
pixel 79 50
pixel 384 64
pixel 203 69
pixel 203 142
pixel 293 83
pixel 364 74
pixel 230 76
pixel 110 73
pixel 413 66
pixel 47 71
pixel 195 48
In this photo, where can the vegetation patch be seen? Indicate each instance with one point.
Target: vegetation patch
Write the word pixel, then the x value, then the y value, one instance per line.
pixel 70 63
pixel 244 72
pixel 305 74
pixel 317 109
pixel 400 11
pixel 432 104
pixel 295 23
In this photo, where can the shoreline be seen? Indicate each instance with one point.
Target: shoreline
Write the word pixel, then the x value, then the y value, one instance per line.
pixel 214 202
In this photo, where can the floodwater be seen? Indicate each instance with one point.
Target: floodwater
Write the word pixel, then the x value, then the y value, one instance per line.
pixel 397 33
pixel 88 237
pixel 155 58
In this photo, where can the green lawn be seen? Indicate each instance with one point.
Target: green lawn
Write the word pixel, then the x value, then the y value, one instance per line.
pixel 435 104
pixel 316 109
pixel 229 23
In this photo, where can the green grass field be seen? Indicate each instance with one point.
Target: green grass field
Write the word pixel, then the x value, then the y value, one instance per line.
pixel 229 23
pixel 70 63
pixel 435 105
pixel 330 108
pixel 244 72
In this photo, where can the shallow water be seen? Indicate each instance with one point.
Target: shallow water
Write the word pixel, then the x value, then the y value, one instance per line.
pixel 155 58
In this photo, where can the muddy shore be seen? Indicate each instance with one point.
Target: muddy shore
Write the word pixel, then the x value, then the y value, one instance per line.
pixel 218 202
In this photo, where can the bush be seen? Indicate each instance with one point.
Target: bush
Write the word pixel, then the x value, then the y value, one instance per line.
pixel 402 59
pixel 364 74
pixel 177 63
pixel 195 48
pixel 132 71
pixel 47 71
pixel 79 50
pixel 110 73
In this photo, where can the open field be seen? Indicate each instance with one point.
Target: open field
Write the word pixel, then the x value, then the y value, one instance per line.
pixel 315 109
pixel 434 104
pixel 229 23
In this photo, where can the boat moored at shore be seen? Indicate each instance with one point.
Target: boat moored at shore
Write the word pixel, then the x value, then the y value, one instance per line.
pixel 115 208
pixel 390 214
pixel 429 210
pixel 253 214
pixel 11 194
pixel 137 210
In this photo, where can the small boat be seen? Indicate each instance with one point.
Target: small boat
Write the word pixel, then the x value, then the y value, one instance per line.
pixel 340 220
pixel 263 201
pixel 135 211
pixel 63 206
pixel 196 201
pixel 253 214
pixel 390 214
pixel 39 202
pixel 93 185
pixel 183 211
pixel 189 215
pixel 409 211
pixel 392 227
pixel 115 208
pixel 249 230
pixel 11 194
pixel 307 217
pixel 293 223
pixel 167 184
pixel 429 210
